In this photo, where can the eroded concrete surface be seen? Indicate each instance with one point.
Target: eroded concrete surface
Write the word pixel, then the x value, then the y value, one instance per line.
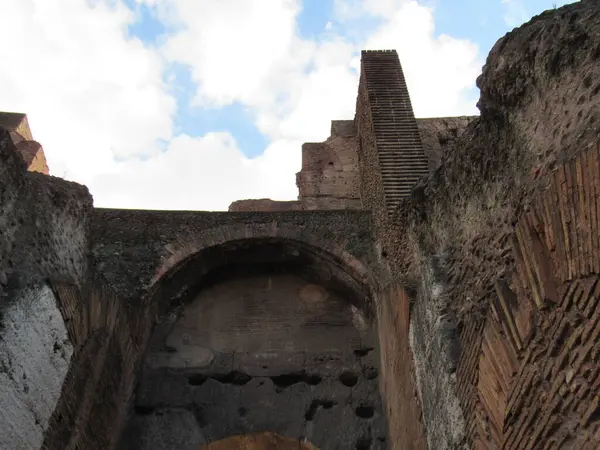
pixel 260 353
pixel 34 359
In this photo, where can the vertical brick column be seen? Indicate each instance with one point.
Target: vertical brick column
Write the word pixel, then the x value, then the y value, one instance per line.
pixel 397 140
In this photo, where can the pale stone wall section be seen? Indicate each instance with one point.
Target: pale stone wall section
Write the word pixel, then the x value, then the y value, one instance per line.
pixel 35 354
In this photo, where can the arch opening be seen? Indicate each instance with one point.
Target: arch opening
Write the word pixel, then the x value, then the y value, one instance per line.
pixel 264 254
pixel 260 335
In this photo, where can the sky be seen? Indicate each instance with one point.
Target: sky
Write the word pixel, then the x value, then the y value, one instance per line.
pixel 192 104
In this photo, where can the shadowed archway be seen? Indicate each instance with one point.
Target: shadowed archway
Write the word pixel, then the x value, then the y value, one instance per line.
pixel 255 334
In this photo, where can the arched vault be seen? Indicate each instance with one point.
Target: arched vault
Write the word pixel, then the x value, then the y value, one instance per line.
pixel 191 271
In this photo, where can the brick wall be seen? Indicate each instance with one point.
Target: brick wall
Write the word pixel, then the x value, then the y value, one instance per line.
pixel 328 178
pixel 31 151
pixel 108 346
pixel 439 135
pixel 399 386
pixel 400 153
pixel 511 213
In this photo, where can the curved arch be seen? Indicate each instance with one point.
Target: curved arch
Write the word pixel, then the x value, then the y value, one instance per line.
pixel 242 334
pixel 199 248
pixel 259 441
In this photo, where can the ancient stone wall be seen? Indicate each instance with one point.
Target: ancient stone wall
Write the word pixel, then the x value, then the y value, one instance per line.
pixel 401 161
pixel 398 377
pixel 479 225
pixel 266 205
pixel 31 151
pixel 133 249
pixel 35 354
pixel 108 342
pixel 439 135
pixel 254 353
pixel 328 178
pixel 66 351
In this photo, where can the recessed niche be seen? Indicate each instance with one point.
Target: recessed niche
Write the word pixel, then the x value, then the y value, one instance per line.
pixel 348 379
pixel 364 412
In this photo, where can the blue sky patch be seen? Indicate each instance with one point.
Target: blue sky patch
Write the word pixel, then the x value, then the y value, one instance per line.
pixel 313 18
pixel 195 121
pixel 480 21
pixel 148 27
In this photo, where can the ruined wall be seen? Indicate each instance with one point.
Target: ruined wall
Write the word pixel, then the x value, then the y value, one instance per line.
pixel 439 135
pixel 328 178
pixel 473 225
pixel 64 354
pixel 31 151
pixel 107 345
pixel 265 204
pixel 133 249
pixel 260 353
pixel 35 353
pixel 399 386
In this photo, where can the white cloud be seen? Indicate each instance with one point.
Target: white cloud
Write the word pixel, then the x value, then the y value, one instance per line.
pixel 439 70
pixel 91 94
pixel 233 45
pixel 206 173
pixel 98 104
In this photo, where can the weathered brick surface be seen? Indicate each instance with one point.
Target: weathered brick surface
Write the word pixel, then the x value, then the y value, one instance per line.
pixel 30 150
pixel 398 377
pixel 329 177
pixel 400 155
pixel 96 394
pixel 405 426
pixel 528 370
pixel 439 135
pixel 16 122
pixel 554 391
pixel 133 249
pixel 266 205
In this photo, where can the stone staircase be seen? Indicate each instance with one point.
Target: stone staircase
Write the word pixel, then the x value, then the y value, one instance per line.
pixel 401 158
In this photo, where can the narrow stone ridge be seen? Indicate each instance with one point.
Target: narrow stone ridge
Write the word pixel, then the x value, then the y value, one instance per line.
pixel 402 160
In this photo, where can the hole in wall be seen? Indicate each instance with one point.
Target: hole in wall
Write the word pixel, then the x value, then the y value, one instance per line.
pixel 242 412
pixel 287 380
pixel 348 379
pixel 311 412
pixel 235 378
pixel 196 380
pixel 143 410
pixel 360 352
pixel 364 412
pixel 363 443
